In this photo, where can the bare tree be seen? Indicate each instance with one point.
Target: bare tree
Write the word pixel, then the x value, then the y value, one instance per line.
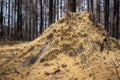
pixel 50 11
pixel 92 6
pixel 41 18
pixel 19 20
pixel 1 20
pixel 106 14
pixel 116 19
pixel 88 6
pixel 8 30
pixel 98 11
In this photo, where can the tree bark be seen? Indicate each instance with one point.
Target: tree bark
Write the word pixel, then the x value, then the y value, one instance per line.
pixel 98 11
pixel 106 14
pixel 19 20
pixel 116 19
pixel 88 6
pixel 92 6
pixel 61 8
pixel 71 5
pixel 8 30
pixel 41 18
pixel 50 12
pixel 1 21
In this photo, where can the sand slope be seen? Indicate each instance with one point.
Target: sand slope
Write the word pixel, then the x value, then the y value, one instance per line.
pixel 73 48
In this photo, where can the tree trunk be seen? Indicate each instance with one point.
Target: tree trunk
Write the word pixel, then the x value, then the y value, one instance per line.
pixel 57 9
pixel 15 27
pixel 92 6
pixel 106 14
pixel 116 19
pixel 61 9
pixel 19 20
pixel 36 18
pixel 41 18
pixel 1 21
pixel 98 11
pixel 8 30
pixel 50 12
pixel 71 5
pixel 54 11
pixel 88 6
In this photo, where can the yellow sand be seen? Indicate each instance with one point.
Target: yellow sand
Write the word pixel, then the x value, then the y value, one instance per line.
pixel 79 49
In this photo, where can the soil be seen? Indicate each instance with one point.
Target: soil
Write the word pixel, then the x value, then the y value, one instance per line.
pixel 74 48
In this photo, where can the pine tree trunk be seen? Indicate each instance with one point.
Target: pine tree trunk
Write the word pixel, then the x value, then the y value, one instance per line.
pixel 41 18
pixel 19 20
pixel 71 5
pixel 8 30
pixel 106 14
pixel 61 9
pixel 1 21
pixel 54 11
pixel 92 6
pixel 98 11
pixel 116 19
pixel 57 9
pixel 88 6
pixel 50 12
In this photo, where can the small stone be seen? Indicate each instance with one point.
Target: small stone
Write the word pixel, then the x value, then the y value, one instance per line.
pixel 46 73
pixel 63 65
pixel 42 60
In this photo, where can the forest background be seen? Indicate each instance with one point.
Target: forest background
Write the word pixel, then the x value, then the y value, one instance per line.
pixel 27 19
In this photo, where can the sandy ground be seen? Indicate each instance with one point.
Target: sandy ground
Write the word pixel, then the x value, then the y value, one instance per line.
pixel 73 48
pixel 9 49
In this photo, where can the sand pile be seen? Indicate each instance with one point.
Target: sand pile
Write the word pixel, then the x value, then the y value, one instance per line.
pixel 73 48
pixel 9 49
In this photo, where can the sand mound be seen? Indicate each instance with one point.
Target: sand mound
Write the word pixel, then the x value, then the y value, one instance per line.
pixel 73 48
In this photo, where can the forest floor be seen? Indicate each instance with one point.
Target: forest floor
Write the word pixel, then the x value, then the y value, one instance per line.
pixel 9 49
pixel 73 48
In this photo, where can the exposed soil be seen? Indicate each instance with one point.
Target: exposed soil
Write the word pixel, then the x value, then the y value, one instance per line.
pixel 9 49
pixel 73 48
